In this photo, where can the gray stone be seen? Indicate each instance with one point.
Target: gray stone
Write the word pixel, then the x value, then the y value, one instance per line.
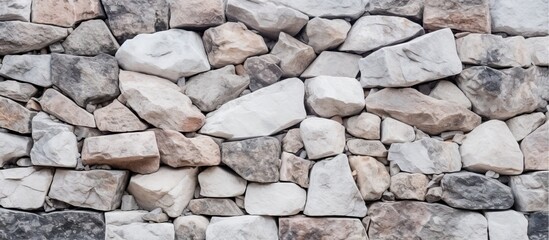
pixel 538 225
pixel 329 9
pixel 373 148
pixel 394 131
pixel 427 156
pixel 507 225
pixel 176 150
pixel 249 226
pixel 412 9
pixel 255 159
pixel 150 231
pixel 334 96
pixel 522 125
pixel 24 188
pixel 325 34
pixel 190 227
pixel 156 216
pixel 128 203
pixel 13 147
pixel 16 10
pixel 220 182
pixel 25 37
pixel 539 48
pixel 196 14
pixel 55 144
pixel 294 55
pixel 295 169
pixel 409 186
pixel 460 15
pixel 493 50
pixel 274 199
pixel 448 91
pixel 21 92
pixel 322 137
pixel 516 18
pixel 301 228
pixel 336 64
pixel 56 104
pixel 365 125
pixel 91 38
pixel 262 70
pixel 531 191
pixel 292 141
pixel 33 69
pixel 214 207
pixel 116 117
pixel 372 177
pixel 433 194
pixel 15 117
pixel 534 148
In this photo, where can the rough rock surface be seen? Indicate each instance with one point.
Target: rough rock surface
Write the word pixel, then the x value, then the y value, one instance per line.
pixel 116 117
pixel 91 38
pixel 65 13
pixel 190 227
pixel 176 150
pixel 514 18
pixel 13 147
pixel 507 225
pixel 534 148
pixel 460 15
pixel 294 55
pixel 33 69
pixel 21 92
pixel 372 177
pixel 214 207
pixel 25 36
pixel 448 91
pixel 322 137
pixel 494 50
pixel 412 9
pixel 373 148
pixel 329 9
pixel 24 188
pixel 54 144
pixel 255 159
pixel 152 231
pixel 196 13
pixel 60 106
pixel 274 199
pixel 365 125
pixel 16 10
pixel 220 182
pixel 329 96
pixel 538 225
pixel 324 34
pixel 262 70
pixel 295 169
pixel 335 64
pixel 522 125
pixel 409 186
pixel 249 226
pixel 292 141
pixel 427 156
pixel 539 49
pixel 394 131
pixel 14 116
pixel 320 228
pixel 531 191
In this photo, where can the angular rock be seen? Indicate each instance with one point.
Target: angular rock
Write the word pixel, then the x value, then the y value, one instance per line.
pixel 16 10
pixel 521 126
pixel 119 218
pixel 196 13
pixel 365 125
pixel 65 13
pixel 152 231
pixel 87 80
pixel 267 17
pixel 26 37
pixel 427 156
pixel 539 47
pixel 491 146
pixel 534 148
pixel 428 114
pixel 515 18
pixel 330 96
pixel 292 141
pixel 466 16
pixel 332 190
pixel 24 188
pixel 159 102
pixel 324 34
pixel 176 150
pixel 409 186
pixel 531 191
pixel 91 38
pixel 394 131
pixel 54 143
pixel 301 228
pixel 13 147
pixel 429 57
pixel 262 70
pixel 433 194
pixel 294 55
pixel 507 225
pixel 155 215
pixel 232 43
pixel 295 169
pixel 446 90
pixel 252 227
pixel 168 188
pixel 412 9
pixel 128 18
pixel 128 203
pixel 190 227
pixel 181 55
pixel 336 64
pixel 493 50
pixel 116 117
pixel 329 9
pixel 410 219
pixel 96 189
pixel 475 192
pixel 214 207
pixel 322 137
pixel 66 110
pixel 212 89
pixel 281 106
pixel 15 117
pixel 255 159
pixel 220 182
pixel 538 225
pixel 373 32
pixel 372 177
pixel 21 92
pixel 372 148
pixel 33 69
pixel 274 199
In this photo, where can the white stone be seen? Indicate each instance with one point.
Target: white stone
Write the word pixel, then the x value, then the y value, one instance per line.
pixel 24 188
pixel 119 218
pixel 336 64
pixel 429 57
pixel 520 18
pixel 507 225
pixel 191 227
pixel 372 177
pixel 28 68
pixel 446 90
pixel 242 227
pixel 523 125
pixel 427 156
pixel 170 54
pixel 149 231
pixel 539 48
pixel 531 191
pixel 322 137
pixel 15 10
pixel 55 144
pixel 493 50
pixel 394 131
pixel 330 96
pixel 220 182
pixel 13 147
pixel 329 9
pixel 261 113
pixel 365 125
pixel 323 34
pixel 274 199
pixel 374 148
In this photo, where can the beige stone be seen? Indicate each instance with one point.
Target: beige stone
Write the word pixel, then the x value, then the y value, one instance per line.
pixel 196 13
pixel 116 117
pixel 60 106
pixel 294 55
pixel 24 188
pixel 292 141
pixel 15 117
pixel 303 228
pixel 176 150
pixel 65 13
pixel 324 34
pixel 535 149
pixel 365 125
pixel 409 186
pixel 373 148
pixel 295 169
pixel 466 16
pixel 372 177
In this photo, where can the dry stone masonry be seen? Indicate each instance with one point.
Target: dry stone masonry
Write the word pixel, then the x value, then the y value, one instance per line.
pixel 274 119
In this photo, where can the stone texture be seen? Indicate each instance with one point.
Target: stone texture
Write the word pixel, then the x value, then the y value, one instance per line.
pixel 214 207
pixel 302 228
pixel 294 55
pixel 372 177
pixel 190 227
pixel 160 102
pixel 280 106
pixel 475 191
pixel 322 137
pixel 176 150
pixel 328 9
pixel 56 104
pixel 24 188
pixel 365 125
pixel 55 144
pixel 96 189
pixel 91 38
pixel 373 32
pixel 209 90
pixel 155 215
pixel 274 199
pixel 374 148
pixel 538 225
pixel 181 55
pixel 429 57
pixel 324 34
pixel 262 70
pixel 33 69
pixel 14 116
pixel 409 219
pixel 26 37
pixel 494 50
pixel 267 17
pixel 491 146
pixel 531 191
pixel 507 225
pixel 522 125
pixel 255 159
pixel 534 148
pixel 249 227
pixel 152 231
pixel 17 91
pixel 460 15
pixel 428 114
pixel 86 80
pixel 412 9
pixel 515 18
pixel 332 190
pixel 196 13
pixel 336 64
pixel 448 91
pixel 65 13
pixel 220 182
pixel 292 141
pixel 169 189
pixel 13 147
pixel 116 117
pixel 232 43
pixel 330 96
pixel 16 10
pixel 409 186
pixel 394 131
pixel 427 156
pixel 295 169
pixel 128 18
pixel 539 47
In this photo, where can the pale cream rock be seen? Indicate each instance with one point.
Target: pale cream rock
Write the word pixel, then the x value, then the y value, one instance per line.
pixel 300 227
pixel 409 186
pixel 292 141
pixel 373 148
pixel 394 131
pixel 13 147
pixel 28 68
pixel 531 191
pixel 427 156
pixel 176 150
pixel 116 117
pixel 507 225
pixel 274 199
pixel 516 18
pixel 322 137
pixel 335 64
pixel 334 96
pixel 365 125
pixel 324 34
pixel 17 91
pixel 25 37
pixel 251 226
pixel 16 10
pixel 196 13
pixel 24 188
pixel 295 169
pixel 535 150
pixel 522 125
pixel 294 55
pixel 372 177
pixel 220 182
pixel 448 91
pixel 55 144
pixel 539 48
pixel 65 13
pixel 493 50
pixel 190 227
pixel 60 106
pixel 329 9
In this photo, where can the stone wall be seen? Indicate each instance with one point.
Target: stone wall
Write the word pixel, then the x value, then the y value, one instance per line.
pixel 274 119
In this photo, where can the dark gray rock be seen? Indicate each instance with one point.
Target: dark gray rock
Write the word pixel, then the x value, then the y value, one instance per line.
pixel 87 80
pixel 475 191
pixel 24 36
pixel 214 207
pixel 82 225
pixel 255 159
pixel 538 226
pixel 91 38
pixel 263 70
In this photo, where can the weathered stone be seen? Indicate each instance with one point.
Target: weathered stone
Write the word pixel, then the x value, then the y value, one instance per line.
pixel 255 159
pixel 156 215
pixel 13 147
pixel 507 225
pixel 65 13
pixel 176 150
pixel 427 156
pixel 322 137
pixel 516 18
pixel 16 10
pixel 410 219
pixel 116 117
pixel 196 13
pixel 371 176
pixel 181 55
pixel 274 199
pixel 446 90
pixel 66 110
pixel 336 64
pixel 372 148
pixel 324 34
pixel 531 191
pixel 412 9
pixel 97 189
pixel 214 207
pixel 409 186
pixel 373 32
pixel 220 182
pixel 494 50
pixel 160 102
pixel 292 141
pixel 266 17
pixel 21 92
pixel 212 89
pixel 523 125
pixel 15 117
pixel 491 146
pixel 475 191
pixel 24 188
pixel 119 218
pixel 87 80
pixel 249 226
pixel 33 69
pixel 365 125
pixel 394 131
pixel 295 169
pixel 262 70
pixel 152 231
pixel 91 38
pixel 329 9
pixel 69 224
pixel 539 48
pixel 535 150
pixel 54 143
pixel 460 15
pixel 128 203
pixel 26 37
pixel 332 190
pixel 330 96
pixel 433 194
pixel 538 225
pixel 128 18
pixel 232 43
pixel 190 227
pixel 280 105
pixel 303 228
pixel 429 57
pixel 294 55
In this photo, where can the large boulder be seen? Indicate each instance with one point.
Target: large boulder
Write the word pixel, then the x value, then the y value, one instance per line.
pixel 474 191
pixel 531 191
pixel 427 156
pixel 517 18
pixel 91 38
pixel 24 188
pixel 249 227
pixel 196 13
pixel 465 16
pixel 535 150
pixel 302 228
pixel 274 199
pixel 176 150
pixel 26 37
pixel 15 117
pixel 28 68
pixel 330 96
pixel 372 177
pixel 322 137
pixel 65 13
pixel 493 50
